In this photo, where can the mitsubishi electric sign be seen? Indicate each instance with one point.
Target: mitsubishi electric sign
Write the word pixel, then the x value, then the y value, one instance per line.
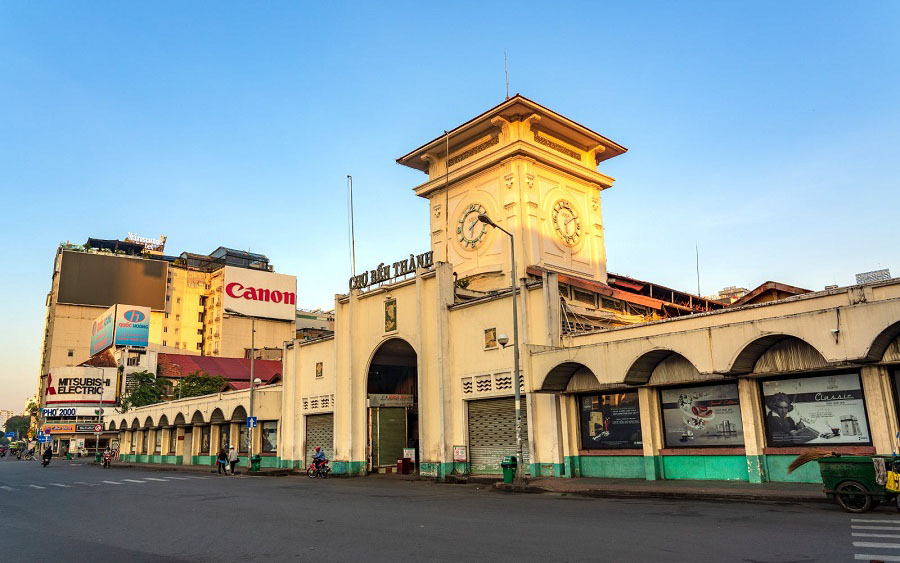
pixel 261 294
pixel 81 384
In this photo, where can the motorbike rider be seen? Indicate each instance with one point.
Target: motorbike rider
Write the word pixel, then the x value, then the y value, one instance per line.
pixel 46 457
pixel 107 457
pixel 319 457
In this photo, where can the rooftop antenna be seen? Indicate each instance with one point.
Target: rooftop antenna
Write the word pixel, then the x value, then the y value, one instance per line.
pixel 697 253
pixel 352 233
pixel 506 71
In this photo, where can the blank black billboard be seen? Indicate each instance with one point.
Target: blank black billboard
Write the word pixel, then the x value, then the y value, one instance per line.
pixel 98 279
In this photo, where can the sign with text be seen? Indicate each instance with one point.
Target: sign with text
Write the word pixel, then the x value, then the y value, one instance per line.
pixel 390 400
pixel 610 420
pixel 816 410
pixel 57 428
pixel 132 326
pixel 257 293
pixel 102 331
pixel 68 412
pixel 385 272
pixel 81 384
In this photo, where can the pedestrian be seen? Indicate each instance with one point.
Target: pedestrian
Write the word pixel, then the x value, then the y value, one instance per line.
pixel 232 459
pixel 221 460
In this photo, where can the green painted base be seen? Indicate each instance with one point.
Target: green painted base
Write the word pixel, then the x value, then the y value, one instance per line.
pixel 349 468
pixel 705 467
pixel 203 460
pixel 270 461
pixel 776 470
pixel 290 464
pixel 615 467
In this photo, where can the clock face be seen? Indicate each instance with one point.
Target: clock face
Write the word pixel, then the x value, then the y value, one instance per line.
pixel 469 230
pixel 566 222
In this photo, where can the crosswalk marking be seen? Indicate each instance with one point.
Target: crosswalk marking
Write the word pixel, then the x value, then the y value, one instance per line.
pixel 5 488
pixel 154 479
pixel 179 478
pixel 111 482
pixel 881 520
pixel 874 528
pixel 36 487
pixel 861 535
pixel 134 481
pixel 876 544
pixel 873 557
pixel 60 485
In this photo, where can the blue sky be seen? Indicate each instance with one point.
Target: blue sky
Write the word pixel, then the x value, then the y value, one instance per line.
pixel 764 132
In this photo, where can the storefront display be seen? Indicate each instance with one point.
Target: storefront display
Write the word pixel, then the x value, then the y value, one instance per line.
pixel 702 416
pixel 827 409
pixel 610 421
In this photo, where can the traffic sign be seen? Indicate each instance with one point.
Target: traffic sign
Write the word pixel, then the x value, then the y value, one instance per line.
pixel 43 439
pixel 251 422
pixel 11 435
pixel 98 428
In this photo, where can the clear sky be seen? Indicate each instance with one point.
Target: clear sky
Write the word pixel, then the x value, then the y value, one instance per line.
pixel 767 133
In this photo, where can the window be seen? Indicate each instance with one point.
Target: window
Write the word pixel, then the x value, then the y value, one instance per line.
pixel 707 415
pixel 610 421
pixel 582 296
pixel 158 438
pixel 167 315
pixel 204 439
pixel 71 353
pixel 176 330
pixel 177 317
pixel 164 342
pixel 224 436
pixel 173 440
pixel 269 431
pixel 168 298
pixel 199 317
pixel 145 441
pixel 165 329
pixel 178 300
pixel 242 437
pixel 199 346
pixel 200 331
pixel 828 409
pixel 319 370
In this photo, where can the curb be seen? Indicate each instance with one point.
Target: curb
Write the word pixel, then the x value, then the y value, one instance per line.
pixel 665 495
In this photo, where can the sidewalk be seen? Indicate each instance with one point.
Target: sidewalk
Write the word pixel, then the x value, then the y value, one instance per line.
pixel 241 470
pixel 674 489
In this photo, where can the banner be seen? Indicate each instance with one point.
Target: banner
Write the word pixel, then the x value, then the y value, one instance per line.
pixel 610 421
pixel 702 416
pixel 261 294
pixel 828 409
pixel 102 331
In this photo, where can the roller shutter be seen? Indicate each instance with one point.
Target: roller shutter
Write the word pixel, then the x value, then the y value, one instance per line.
pixel 319 432
pixel 492 434
pixel 388 435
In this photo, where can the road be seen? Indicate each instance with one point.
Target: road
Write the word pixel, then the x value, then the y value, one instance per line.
pixel 76 511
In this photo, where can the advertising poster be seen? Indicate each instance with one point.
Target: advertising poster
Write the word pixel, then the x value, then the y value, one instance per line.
pixel 828 409
pixel 261 294
pixel 75 385
pixel 702 416
pixel 102 331
pixel 132 326
pixel 610 421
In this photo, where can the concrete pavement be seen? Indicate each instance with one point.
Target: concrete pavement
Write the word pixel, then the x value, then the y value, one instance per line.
pixel 73 511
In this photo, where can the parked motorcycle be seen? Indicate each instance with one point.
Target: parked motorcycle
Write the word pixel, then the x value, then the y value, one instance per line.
pixel 322 471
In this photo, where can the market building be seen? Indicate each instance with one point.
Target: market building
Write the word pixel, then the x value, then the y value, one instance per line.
pixel 620 377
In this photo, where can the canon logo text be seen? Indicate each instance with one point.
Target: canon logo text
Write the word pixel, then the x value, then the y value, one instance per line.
pixel 238 291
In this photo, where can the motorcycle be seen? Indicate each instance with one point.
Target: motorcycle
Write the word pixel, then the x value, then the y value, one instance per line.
pixel 320 471
pixel 107 461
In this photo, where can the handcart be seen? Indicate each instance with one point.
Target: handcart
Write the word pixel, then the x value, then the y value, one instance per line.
pixel 860 483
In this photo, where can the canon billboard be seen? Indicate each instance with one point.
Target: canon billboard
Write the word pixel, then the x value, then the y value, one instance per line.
pixel 261 294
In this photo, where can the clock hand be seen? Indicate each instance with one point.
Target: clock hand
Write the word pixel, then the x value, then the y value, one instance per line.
pixel 572 218
pixel 472 226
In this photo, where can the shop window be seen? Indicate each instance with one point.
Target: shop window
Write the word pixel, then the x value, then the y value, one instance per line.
pixel 224 436
pixel 158 438
pixel 132 441
pixel 827 409
pixel 173 440
pixel 610 421
pixel 204 440
pixel 242 438
pixel 269 431
pixel 708 415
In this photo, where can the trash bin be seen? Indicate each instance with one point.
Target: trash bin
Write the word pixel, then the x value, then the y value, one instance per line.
pixel 97 458
pixel 68 456
pixel 404 466
pixel 509 466
pixel 254 462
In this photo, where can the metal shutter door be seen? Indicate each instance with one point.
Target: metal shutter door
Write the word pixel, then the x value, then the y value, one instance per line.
pixel 492 434
pixel 389 435
pixel 319 432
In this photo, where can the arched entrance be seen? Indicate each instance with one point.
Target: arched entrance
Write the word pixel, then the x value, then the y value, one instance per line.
pixel 392 398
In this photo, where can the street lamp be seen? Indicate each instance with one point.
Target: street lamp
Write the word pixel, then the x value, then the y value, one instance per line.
pixel 512 253
pixel 252 381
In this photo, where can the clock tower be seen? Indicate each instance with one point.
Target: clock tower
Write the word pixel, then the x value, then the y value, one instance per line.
pixel 531 170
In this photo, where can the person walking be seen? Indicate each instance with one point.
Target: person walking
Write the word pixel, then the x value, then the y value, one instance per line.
pixel 232 459
pixel 221 460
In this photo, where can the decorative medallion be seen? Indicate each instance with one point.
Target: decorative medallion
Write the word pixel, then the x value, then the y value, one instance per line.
pixel 566 222
pixel 390 315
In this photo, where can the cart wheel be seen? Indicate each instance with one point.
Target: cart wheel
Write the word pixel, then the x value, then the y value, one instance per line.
pixel 852 497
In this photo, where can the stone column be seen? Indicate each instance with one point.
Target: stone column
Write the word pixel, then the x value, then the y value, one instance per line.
pixel 880 407
pixel 754 432
pixel 651 432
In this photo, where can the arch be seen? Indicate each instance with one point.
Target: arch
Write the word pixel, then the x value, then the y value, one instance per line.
pixel 135 424
pixel 179 420
pixel 238 414
pixel 558 378
pixel 881 343
pixel 642 368
pixel 806 356
pixel 163 421
pixel 392 370
pixel 112 425
pixel 217 416
pixel 197 418
pixel 397 353
pixel 123 424
pixel 148 422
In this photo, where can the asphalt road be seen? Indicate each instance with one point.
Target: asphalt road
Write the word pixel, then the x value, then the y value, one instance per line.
pixel 75 511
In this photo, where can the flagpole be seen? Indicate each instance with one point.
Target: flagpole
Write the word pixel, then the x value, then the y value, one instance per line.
pixel 352 233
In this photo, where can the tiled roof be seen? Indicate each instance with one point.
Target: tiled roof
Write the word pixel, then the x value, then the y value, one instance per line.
pixel 232 369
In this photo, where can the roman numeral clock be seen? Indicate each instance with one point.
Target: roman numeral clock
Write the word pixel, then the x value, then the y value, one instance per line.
pixel 566 221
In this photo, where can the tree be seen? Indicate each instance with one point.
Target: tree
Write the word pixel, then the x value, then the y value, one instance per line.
pixel 199 383
pixel 18 424
pixel 148 390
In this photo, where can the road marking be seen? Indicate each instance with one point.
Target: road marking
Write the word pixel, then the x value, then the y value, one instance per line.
pixel 179 478
pixel 85 484
pixel 859 535
pixel 36 487
pixel 894 528
pixel 5 488
pixel 198 477
pixel 58 485
pixel 134 481
pixel 154 479
pixel 876 544
pixel 882 520
pixel 111 482
pixel 870 557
